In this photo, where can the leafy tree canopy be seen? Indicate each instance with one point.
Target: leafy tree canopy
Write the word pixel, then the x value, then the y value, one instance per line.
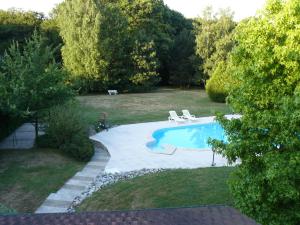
pixel 214 37
pixel 266 185
pixel 101 41
pixel 30 80
pixel 17 25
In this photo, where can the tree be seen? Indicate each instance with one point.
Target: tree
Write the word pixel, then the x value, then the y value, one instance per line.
pixel 145 64
pixel 183 62
pixel 214 38
pixel 266 185
pixel 115 46
pixel 50 32
pixel 17 25
pixel 30 80
pixel 102 39
pixel 152 18
pixel 79 23
pixel 220 82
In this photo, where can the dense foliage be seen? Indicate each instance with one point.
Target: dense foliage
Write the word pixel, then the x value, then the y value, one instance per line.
pixel 214 38
pixel 214 42
pixel 30 79
pixel 125 45
pixel 217 85
pixel 16 25
pixel 66 130
pixel 184 63
pixel 266 185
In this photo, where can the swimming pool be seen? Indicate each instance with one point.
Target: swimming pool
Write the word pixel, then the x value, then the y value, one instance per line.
pixel 187 137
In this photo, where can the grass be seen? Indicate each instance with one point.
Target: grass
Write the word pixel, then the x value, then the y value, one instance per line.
pixel 174 188
pixel 5 210
pixel 147 107
pixel 167 189
pixel 29 176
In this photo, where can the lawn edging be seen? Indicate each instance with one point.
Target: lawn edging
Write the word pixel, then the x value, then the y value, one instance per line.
pixel 106 179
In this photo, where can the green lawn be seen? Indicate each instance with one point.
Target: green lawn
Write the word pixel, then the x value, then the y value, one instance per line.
pixel 147 107
pixel 167 189
pixel 175 188
pixel 29 176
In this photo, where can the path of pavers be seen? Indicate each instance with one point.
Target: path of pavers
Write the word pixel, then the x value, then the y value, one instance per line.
pixel 61 200
pixel 21 138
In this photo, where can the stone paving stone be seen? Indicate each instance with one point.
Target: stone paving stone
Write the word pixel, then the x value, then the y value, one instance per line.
pixel 21 138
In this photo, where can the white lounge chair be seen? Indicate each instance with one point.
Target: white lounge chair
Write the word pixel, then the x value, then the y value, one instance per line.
pixel 174 117
pixel 186 114
pixel 112 92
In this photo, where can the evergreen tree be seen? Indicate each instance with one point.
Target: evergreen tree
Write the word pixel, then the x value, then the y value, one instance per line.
pixel 30 80
pixel 79 23
pixel 183 67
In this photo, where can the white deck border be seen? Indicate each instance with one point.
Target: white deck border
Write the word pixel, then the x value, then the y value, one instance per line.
pixel 126 145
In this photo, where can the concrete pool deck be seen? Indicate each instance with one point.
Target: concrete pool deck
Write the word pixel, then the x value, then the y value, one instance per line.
pixel 126 145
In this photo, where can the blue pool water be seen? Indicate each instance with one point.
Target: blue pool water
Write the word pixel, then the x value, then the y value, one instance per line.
pixel 189 137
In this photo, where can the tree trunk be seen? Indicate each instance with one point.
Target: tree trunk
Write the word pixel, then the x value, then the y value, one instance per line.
pixel 36 125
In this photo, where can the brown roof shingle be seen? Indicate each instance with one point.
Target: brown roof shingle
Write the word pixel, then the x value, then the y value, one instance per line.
pixel 208 215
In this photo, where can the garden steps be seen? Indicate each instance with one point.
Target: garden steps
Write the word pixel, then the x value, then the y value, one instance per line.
pixel 92 172
pixel 79 184
pixel 74 187
pixel 50 209
pixel 65 194
pixel 55 200
pixel 60 201
pixel 96 165
pixel 83 177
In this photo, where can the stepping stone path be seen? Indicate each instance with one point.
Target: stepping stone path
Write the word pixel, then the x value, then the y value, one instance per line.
pixel 60 201
pixel 21 138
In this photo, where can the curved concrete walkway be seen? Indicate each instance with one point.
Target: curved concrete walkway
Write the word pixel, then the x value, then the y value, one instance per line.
pixel 127 146
pixel 123 149
pixel 60 201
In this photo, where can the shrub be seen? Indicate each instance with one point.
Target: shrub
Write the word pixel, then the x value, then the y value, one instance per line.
pixel 67 131
pixel 216 85
pixel 80 147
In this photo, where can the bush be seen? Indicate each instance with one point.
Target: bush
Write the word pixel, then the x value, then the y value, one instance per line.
pixel 216 85
pixel 67 131
pixel 80 147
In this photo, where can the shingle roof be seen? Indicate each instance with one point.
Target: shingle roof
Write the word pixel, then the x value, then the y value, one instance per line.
pixel 208 215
